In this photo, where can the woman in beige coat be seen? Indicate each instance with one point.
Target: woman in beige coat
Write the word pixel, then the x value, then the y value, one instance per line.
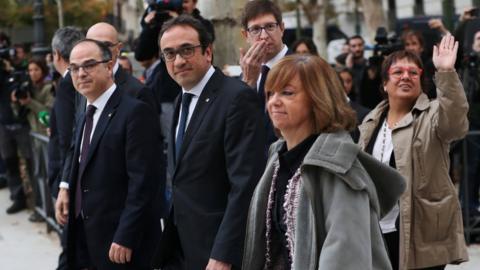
pixel 413 134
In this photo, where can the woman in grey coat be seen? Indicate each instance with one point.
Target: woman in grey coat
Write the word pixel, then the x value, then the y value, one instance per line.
pixel 319 200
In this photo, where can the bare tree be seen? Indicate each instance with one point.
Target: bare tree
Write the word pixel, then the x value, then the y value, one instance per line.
pixel 225 16
pixel 315 11
pixel 374 16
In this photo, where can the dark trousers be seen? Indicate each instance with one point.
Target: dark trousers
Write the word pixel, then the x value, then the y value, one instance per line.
pixel 12 141
pixel 392 242
pixel 82 256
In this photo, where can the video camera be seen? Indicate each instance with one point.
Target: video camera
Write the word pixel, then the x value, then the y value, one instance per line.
pixel 165 5
pixel 384 46
pixel 19 82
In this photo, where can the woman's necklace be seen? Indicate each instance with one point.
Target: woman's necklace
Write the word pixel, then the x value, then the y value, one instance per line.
pixel 384 139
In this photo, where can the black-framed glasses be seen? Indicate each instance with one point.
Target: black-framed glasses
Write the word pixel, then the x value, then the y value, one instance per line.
pixel 256 29
pixel 87 66
pixel 110 44
pixel 185 52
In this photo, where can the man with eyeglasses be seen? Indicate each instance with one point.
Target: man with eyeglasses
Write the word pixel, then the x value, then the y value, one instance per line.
pixel 106 34
pixel 113 214
pixel 263 30
pixel 215 155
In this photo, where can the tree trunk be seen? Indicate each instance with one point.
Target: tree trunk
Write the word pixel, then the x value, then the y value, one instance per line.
pixel 320 29
pixel 374 17
pixel 316 13
pixel 225 16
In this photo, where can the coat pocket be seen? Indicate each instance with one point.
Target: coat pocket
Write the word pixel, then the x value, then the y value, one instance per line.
pixel 434 218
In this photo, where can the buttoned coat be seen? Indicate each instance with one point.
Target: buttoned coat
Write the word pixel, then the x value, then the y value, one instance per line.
pixel 343 193
pixel 120 184
pixel 220 162
pixel 431 229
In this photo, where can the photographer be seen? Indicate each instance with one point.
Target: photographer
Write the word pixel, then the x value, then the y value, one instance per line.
pixel 36 95
pixel 158 12
pixel 33 99
pixel 14 136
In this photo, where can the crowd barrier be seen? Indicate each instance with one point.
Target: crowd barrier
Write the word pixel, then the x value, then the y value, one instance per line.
pixel 40 163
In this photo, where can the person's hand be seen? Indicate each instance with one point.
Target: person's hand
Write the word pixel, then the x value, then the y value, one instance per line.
pixel 25 101
pixel 173 14
pixel 13 97
pixel 349 61
pixel 438 25
pixel 150 16
pixel 119 253
pixel 445 55
pixel 251 62
pixel 217 265
pixel 61 206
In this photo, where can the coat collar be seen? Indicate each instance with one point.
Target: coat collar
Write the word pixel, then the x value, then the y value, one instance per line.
pixel 333 151
pixel 337 153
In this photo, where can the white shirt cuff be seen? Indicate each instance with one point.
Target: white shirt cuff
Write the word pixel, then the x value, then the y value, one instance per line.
pixel 64 185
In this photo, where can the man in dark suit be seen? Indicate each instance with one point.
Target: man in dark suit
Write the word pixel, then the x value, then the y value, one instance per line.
pixel 62 115
pixel 215 154
pixel 63 111
pixel 262 28
pixel 113 215
pixel 128 85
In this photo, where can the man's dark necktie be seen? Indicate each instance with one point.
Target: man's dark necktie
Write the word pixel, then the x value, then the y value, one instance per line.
pixel 87 132
pixel 261 86
pixel 186 99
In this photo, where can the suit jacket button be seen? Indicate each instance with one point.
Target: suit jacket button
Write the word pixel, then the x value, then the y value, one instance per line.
pixel 85 217
pixel 85 190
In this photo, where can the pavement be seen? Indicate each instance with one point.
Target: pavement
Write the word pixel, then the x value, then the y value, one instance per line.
pixel 27 246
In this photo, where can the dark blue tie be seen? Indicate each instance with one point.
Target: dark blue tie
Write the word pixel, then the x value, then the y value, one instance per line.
pixel 87 132
pixel 261 85
pixel 186 99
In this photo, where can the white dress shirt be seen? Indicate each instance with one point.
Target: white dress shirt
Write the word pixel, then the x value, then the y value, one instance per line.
pixel 384 144
pixel 196 91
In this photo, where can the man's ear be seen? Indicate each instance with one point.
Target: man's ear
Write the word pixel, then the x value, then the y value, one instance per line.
pixel 244 33
pixel 209 52
pixel 282 27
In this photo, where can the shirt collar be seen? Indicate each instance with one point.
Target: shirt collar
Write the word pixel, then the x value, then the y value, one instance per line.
pixel 65 73
pixel 277 57
pixel 102 100
pixel 197 89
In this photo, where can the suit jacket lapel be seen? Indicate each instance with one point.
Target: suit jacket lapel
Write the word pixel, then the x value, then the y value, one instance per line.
pixel 171 159
pixel 102 124
pixel 204 102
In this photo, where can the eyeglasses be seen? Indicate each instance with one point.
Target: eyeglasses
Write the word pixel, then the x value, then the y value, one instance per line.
pixel 87 66
pixel 185 52
pixel 397 72
pixel 256 30
pixel 110 44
